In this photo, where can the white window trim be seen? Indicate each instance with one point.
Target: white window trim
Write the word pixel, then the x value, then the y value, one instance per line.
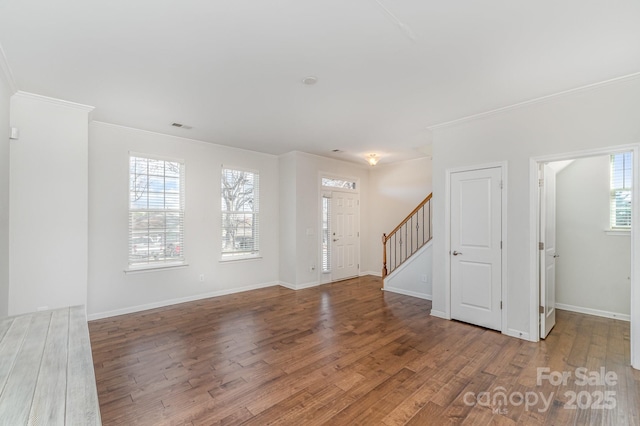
pixel 229 258
pixel 617 230
pixel 336 177
pixel 155 268
pixel 140 268
pixel 237 257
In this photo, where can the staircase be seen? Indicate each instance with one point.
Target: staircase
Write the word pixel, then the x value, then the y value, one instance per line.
pixel 413 233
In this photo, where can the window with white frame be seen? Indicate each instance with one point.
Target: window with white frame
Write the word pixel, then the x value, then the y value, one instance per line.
pixel 326 233
pixel 621 184
pixel 338 183
pixel 156 211
pixel 240 191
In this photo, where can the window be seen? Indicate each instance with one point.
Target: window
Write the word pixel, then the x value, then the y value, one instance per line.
pixel 156 211
pixel 620 199
pixel 240 210
pixel 338 183
pixel 326 232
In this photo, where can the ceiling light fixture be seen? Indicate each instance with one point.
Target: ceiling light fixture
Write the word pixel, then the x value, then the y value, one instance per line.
pixel 372 159
pixel 310 80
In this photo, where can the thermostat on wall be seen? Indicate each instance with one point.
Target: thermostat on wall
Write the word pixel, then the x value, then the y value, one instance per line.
pixel 15 133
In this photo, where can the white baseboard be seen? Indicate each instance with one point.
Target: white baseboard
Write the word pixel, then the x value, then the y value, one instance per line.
pixel 440 314
pixel 300 286
pixel 287 285
pixel 169 302
pixel 596 312
pixel 307 285
pixel 408 293
pixel 516 333
pixel 375 274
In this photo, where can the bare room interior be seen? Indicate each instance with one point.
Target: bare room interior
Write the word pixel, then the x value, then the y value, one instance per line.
pixel 371 212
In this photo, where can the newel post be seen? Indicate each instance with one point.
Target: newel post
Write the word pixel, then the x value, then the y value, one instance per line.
pixel 384 255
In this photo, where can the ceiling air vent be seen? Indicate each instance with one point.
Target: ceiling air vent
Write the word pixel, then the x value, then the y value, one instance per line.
pixel 182 126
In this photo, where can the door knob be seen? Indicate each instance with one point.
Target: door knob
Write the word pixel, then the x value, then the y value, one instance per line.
pixel 555 256
pixel 455 253
pixel 335 239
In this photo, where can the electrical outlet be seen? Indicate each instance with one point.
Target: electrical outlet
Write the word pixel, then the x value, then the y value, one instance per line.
pixel 201 277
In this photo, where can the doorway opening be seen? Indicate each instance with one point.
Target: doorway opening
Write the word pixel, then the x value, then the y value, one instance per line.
pixel 585 258
pixel 339 228
pixel 476 223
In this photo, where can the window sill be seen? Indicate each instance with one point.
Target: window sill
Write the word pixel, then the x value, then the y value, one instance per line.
pixel 154 268
pixel 618 232
pixel 232 259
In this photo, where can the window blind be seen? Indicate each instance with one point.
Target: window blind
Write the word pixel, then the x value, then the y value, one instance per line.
pixel 621 185
pixel 240 204
pixel 326 234
pixel 156 211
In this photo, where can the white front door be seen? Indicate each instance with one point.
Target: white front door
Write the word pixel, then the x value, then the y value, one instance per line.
pixel 547 247
pixel 476 247
pixel 345 245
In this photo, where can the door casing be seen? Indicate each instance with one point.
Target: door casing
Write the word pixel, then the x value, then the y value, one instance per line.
pixel 547 215
pixel 534 231
pixel 354 238
pixel 447 222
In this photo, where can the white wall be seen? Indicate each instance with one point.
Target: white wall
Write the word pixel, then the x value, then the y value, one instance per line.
pixel 592 272
pixel 413 277
pixel 48 204
pixel 395 190
pixel 110 290
pixel 5 95
pixel 287 190
pixel 602 116
pixel 301 207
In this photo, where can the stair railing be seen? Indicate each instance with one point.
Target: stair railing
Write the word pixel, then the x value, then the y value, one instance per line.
pixel 407 238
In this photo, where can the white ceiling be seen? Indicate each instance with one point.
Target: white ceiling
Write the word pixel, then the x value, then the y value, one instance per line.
pixel 387 69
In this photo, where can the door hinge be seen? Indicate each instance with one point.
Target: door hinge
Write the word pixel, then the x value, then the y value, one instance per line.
pixel 542 309
pixel 501 304
pixel 540 182
pixel 501 185
pixel 540 246
pixel 358 234
pixel 500 245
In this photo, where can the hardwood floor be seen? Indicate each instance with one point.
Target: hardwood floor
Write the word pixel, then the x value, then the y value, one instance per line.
pixel 347 353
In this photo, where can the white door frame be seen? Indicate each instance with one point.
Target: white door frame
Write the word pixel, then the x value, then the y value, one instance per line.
pixel 547 204
pixel 356 194
pixel 325 277
pixel 447 238
pixel 534 284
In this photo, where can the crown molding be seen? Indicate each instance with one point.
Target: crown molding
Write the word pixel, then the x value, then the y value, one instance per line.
pixel 167 135
pixel 55 101
pixel 5 70
pixel 532 101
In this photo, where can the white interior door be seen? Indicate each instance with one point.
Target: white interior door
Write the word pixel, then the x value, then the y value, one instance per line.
pixel 476 246
pixel 547 247
pixel 345 245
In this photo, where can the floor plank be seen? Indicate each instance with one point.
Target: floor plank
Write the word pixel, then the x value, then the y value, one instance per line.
pixel 346 353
